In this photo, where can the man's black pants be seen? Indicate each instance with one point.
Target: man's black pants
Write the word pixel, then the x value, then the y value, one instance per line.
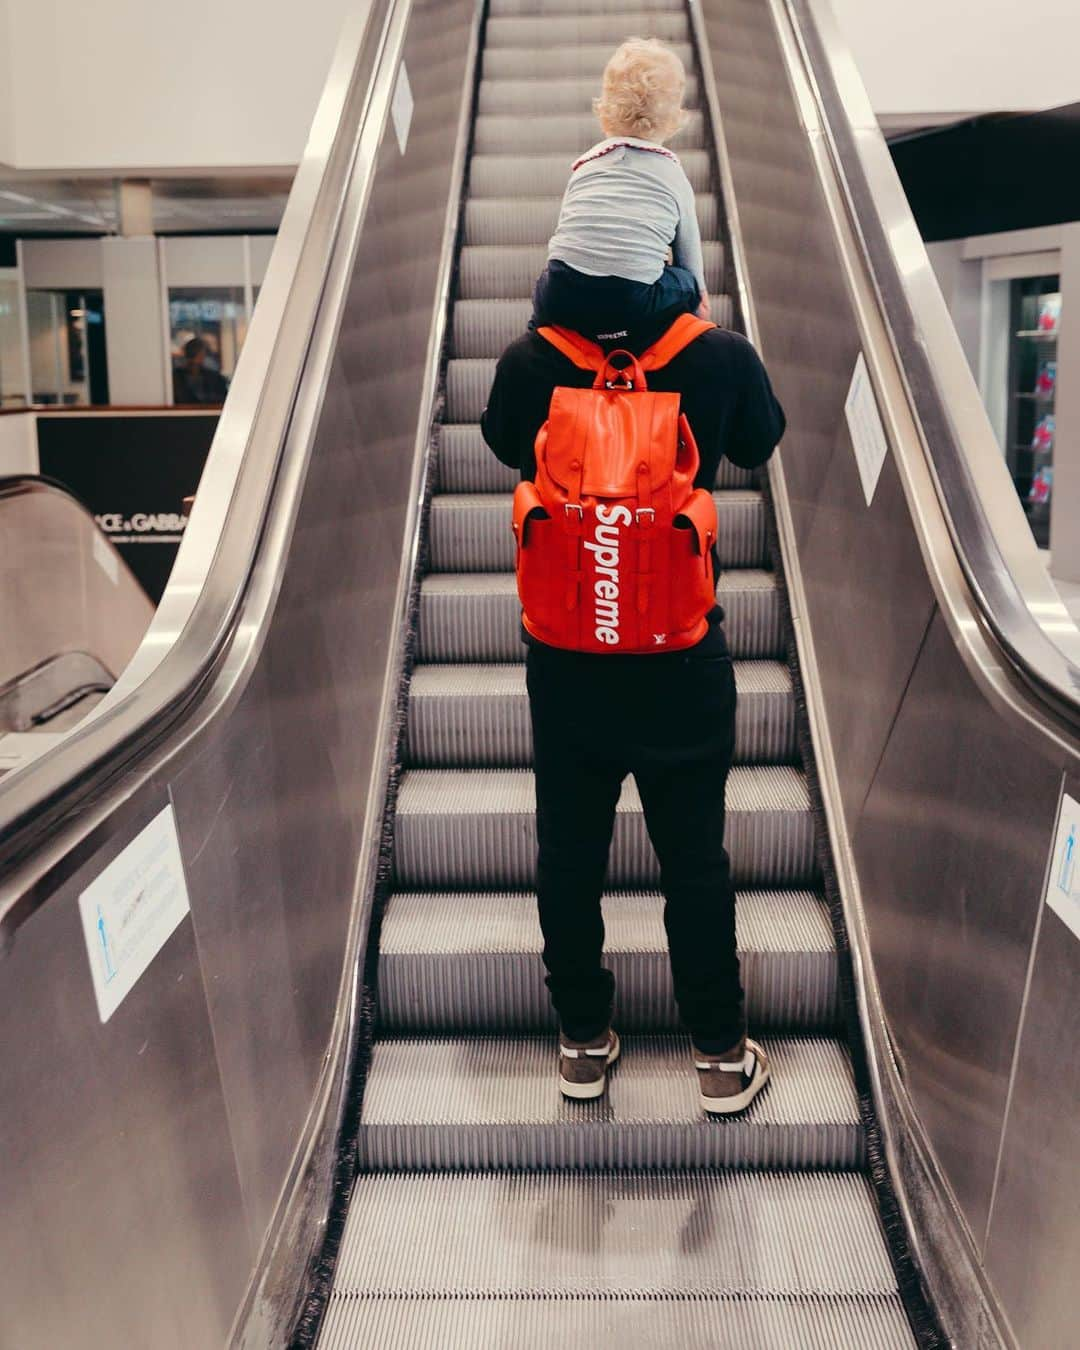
pixel 670 721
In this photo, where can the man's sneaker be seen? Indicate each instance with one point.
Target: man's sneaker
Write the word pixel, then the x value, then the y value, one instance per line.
pixel 583 1065
pixel 730 1082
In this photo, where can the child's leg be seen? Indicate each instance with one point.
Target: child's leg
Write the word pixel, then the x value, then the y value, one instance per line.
pixel 676 292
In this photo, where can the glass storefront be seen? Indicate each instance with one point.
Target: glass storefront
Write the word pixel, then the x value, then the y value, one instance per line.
pixel 207 327
pixel 1034 320
pixel 13 375
pixel 67 347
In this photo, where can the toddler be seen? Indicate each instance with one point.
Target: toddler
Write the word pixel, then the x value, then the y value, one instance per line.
pixel 626 252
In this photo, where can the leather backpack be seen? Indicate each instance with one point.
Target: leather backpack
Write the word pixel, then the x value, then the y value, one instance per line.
pixel 614 542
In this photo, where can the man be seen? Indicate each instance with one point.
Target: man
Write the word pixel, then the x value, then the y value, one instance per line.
pixel 195 381
pixel 669 719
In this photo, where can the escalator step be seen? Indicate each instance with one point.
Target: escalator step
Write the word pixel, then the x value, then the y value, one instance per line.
pixel 484 328
pixel 546 175
pixel 743 1321
pixel 614 7
pixel 477 827
pixel 541 98
pixel 586 59
pixel 491 1102
pixel 475 616
pixel 663 1236
pixel 466 463
pixel 470 532
pixel 471 962
pixel 569 133
pixel 474 715
pixel 532 220
pixel 540 31
pixel 509 272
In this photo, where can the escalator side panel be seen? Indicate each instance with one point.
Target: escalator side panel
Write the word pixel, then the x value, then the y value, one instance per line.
pixel 948 803
pixel 150 1153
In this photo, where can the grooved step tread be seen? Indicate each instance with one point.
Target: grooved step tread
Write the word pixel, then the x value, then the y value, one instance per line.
pixel 475 616
pixel 537 31
pixel 483 329
pixel 470 961
pixel 532 220
pixel 583 58
pixel 475 715
pixel 622 1322
pixel 470 532
pixel 529 98
pixel 572 132
pixel 504 922
pixel 460 828
pixel 542 175
pixel 547 1236
pixel 509 792
pixel 493 1101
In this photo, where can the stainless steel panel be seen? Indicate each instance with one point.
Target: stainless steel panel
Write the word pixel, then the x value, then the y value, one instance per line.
pixel 122 1217
pixel 271 771
pixel 870 600
pixel 272 813
pixel 1034 1229
pixel 950 849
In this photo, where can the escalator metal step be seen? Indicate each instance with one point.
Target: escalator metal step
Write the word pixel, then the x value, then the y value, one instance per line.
pixel 477 828
pixel 474 715
pixel 743 1321
pixel 467 617
pixel 540 61
pixel 484 328
pixel 541 98
pixel 491 1102
pixel 546 175
pixel 509 272
pixel 550 31
pixel 569 133
pixel 470 532
pixel 669 1237
pixel 471 962
pixel 532 220
pixel 614 7
pixel 466 464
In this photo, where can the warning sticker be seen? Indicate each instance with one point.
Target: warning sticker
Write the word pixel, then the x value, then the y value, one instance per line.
pixel 1063 883
pixel 129 912
pixel 864 424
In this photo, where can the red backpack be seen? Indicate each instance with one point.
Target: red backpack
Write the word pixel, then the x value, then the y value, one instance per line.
pixel 614 542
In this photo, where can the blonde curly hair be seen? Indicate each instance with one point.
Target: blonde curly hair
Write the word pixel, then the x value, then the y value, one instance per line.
pixel 642 91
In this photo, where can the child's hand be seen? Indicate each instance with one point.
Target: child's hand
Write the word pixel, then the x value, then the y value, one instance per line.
pixel 704 310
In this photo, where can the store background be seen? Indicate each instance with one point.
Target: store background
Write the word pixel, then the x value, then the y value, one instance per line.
pixel 203 109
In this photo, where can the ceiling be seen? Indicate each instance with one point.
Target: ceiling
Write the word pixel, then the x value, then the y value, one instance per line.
pixel 31 205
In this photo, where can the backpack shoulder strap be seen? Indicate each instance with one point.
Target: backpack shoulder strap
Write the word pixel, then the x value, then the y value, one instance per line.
pixel 687 328
pixel 585 355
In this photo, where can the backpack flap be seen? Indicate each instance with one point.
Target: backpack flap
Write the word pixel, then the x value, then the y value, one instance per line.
pixel 602 435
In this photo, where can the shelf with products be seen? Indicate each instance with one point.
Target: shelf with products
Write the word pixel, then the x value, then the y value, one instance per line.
pixel 1034 320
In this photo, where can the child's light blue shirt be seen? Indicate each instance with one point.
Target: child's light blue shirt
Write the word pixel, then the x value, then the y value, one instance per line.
pixel 628 201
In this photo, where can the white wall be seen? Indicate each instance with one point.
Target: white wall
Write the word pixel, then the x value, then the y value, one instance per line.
pixel 140 84
pixel 128 85
pixel 964 56
pixel 7 105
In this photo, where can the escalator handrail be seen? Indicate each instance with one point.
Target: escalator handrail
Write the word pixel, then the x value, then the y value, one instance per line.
pixel 190 632
pixel 999 563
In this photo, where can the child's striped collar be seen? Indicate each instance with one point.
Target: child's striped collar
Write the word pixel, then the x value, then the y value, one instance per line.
pixel 616 142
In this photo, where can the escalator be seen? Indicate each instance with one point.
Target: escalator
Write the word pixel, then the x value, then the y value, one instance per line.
pixel 71 614
pixel 323 1108
pixel 489 1210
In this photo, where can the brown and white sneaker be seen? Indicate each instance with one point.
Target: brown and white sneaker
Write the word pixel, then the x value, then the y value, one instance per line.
pixel 583 1065
pixel 730 1082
